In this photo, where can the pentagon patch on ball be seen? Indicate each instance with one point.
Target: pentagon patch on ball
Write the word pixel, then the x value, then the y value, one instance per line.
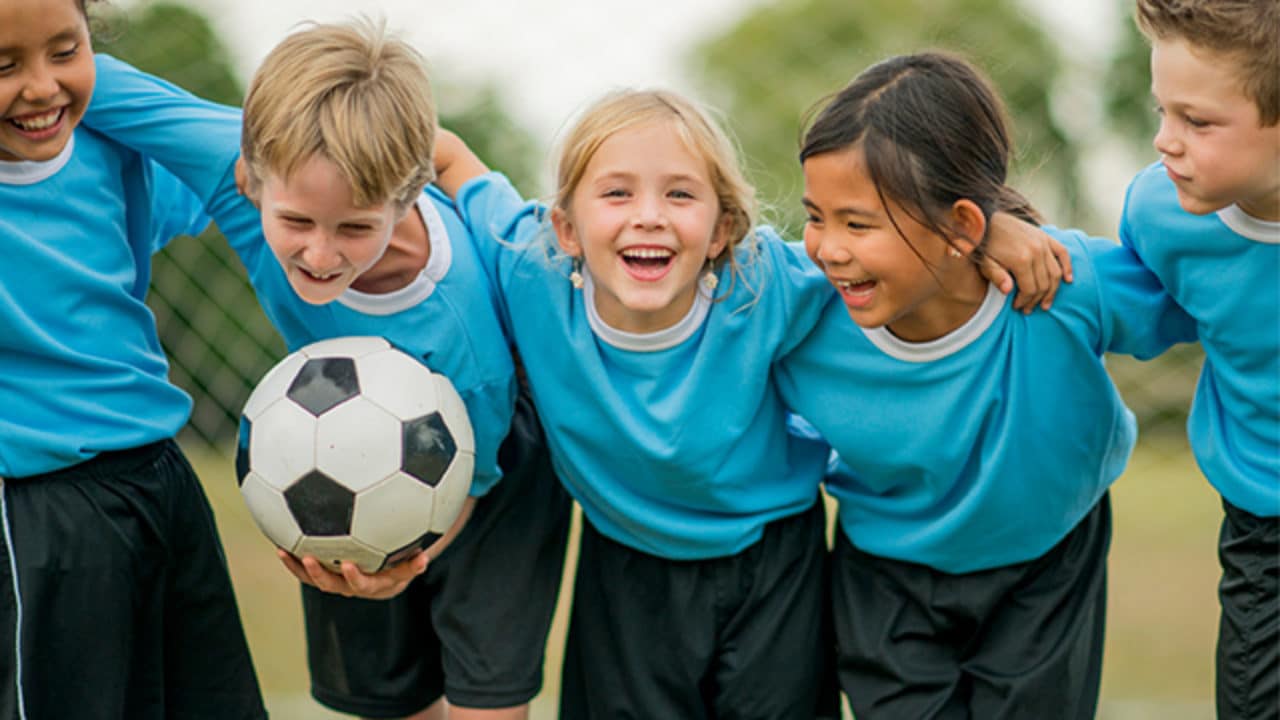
pixel 350 449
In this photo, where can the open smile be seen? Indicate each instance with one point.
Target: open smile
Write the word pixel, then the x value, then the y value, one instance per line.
pixel 855 293
pixel 647 263
pixel 39 126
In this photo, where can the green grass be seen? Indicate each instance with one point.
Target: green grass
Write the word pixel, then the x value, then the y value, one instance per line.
pixel 1161 627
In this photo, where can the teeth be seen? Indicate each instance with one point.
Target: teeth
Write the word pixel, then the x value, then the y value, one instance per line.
pixel 647 253
pixel 38 122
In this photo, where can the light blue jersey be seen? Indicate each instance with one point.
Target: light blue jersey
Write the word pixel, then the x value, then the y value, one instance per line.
pixel 445 316
pixel 987 446
pixel 675 443
pixel 81 368
pixel 1224 268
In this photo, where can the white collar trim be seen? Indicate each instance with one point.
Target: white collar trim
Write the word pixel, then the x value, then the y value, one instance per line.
pixel 644 342
pixel 438 264
pixel 26 172
pixel 1244 224
pixel 949 344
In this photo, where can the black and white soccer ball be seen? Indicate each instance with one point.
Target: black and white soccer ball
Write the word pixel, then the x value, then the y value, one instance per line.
pixel 350 449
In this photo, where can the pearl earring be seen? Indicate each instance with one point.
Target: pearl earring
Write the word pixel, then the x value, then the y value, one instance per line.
pixel 575 277
pixel 709 280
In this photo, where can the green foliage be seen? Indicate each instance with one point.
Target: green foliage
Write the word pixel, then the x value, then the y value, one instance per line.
pixel 175 43
pixel 477 114
pixel 1127 87
pixel 772 68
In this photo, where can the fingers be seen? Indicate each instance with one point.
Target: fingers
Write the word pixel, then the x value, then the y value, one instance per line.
pixel 351 581
pixel 996 274
pixel 294 567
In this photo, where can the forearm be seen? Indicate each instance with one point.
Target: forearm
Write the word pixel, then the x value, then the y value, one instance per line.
pixel 455 163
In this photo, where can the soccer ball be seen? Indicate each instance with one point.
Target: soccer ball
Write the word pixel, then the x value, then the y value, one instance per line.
pixel 350 449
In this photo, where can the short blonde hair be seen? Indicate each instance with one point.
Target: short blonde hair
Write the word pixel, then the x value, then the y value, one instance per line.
pixel 625 109
pixel 350 93
pixel 1245 31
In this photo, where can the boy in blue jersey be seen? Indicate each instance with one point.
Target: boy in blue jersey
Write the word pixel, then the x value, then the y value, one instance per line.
pixel 341 239
pixel 115 601
pixel 1206 220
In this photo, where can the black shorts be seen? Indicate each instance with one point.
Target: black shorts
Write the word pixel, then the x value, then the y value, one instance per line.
pixel 744 636
pixel 474 626
pixel 1248 662
pixel 125 604
pixel 1020 641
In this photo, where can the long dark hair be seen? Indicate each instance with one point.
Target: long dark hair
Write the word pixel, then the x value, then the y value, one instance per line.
pixel 932 131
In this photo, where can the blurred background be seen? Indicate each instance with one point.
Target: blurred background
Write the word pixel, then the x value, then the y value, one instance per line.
pixel 508 75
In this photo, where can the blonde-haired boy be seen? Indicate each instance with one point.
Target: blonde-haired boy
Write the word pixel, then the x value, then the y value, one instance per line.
pixel 1206 220
pixel 339 238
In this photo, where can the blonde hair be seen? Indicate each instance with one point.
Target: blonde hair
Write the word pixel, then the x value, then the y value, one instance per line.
pixel 625 109
pixel 1246 31
pixel 350 93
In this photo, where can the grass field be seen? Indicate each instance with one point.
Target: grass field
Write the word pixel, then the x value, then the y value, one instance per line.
pixel 1161 627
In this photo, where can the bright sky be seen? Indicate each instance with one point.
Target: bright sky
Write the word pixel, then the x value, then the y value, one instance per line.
pixel 551 57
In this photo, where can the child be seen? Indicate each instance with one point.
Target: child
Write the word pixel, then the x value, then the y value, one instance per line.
pixel 337 145
pixel 1206 220
pixel 649 342
pixel 977 443
pixel 115 600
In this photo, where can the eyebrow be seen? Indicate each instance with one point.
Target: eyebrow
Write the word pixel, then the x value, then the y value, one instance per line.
pixel 71 33
pixel 626 175
pixel 841 211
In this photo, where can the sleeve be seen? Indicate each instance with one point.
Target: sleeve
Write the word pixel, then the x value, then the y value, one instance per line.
pixel 504 228
pixel 799 283
pixel 1138 316
pixel 193 139
pixel 489 408
pixel 196 140
pixel 175 209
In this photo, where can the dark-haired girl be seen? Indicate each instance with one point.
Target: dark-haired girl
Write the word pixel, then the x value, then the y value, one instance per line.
pixel 115 601
pixel 977 443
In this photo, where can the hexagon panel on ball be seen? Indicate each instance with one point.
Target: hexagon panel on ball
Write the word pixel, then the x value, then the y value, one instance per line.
pixel 331 551
pixel 394 513
pixel 357 444
pixel 270 512
pixel 282 444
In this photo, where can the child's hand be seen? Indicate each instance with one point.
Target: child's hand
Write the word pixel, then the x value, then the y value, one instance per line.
pixel 1020 251
pixel 352 582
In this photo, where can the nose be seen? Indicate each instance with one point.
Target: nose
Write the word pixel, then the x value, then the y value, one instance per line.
pixel 1166 141
pixel 320 254
pixel 827 251
pixel 41 85
pixel 649 215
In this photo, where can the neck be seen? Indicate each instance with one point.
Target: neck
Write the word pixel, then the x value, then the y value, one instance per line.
pixel 1264 207
pixel 406 255
pixel 960 294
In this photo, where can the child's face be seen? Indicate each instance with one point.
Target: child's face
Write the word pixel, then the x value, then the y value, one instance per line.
pixel 1213 145
pixel 882 281
pixel 645 218
pixel 322 240
pixel 46 76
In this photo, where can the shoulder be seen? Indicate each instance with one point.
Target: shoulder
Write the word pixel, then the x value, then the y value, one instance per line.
pixel 1150 199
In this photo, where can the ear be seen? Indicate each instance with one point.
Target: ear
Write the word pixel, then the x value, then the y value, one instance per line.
pixel 566 234
pixel 721 239
pixel 246 183
pixel 969 224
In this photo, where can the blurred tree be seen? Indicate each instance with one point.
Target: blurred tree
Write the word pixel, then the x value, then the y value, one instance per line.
pixel 477 114
pixel 1127 87
pixel 174 42
pixel 771 68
